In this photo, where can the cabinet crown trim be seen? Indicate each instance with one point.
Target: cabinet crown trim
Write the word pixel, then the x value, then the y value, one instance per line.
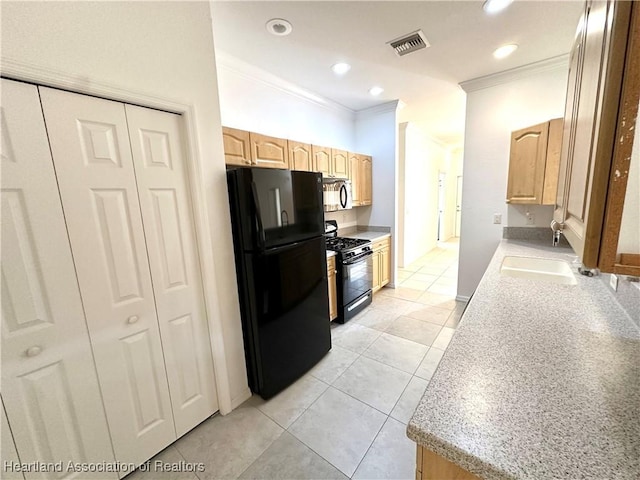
pixel 257 75
pixel 554 63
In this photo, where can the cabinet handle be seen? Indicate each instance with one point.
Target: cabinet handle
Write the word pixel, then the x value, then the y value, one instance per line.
pixel 248 162
pixel 133 319
pixel 33 351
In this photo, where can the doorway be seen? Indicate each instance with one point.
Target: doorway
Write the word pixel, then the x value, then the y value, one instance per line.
pixel 442 200
pixel 458 206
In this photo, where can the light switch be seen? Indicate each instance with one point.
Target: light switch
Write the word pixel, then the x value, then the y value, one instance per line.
pixel 497 218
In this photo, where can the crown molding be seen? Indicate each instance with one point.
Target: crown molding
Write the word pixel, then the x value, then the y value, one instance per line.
pixel 232 64
pixel 391 106
pixel 50 77
pixel 555 63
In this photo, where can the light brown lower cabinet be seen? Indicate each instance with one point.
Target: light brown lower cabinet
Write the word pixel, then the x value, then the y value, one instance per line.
pixel 381 263
pixel 431 466
pixel 331 279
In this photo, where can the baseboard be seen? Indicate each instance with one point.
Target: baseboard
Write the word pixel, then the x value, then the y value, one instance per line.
pixel 240 399
pixel 462 298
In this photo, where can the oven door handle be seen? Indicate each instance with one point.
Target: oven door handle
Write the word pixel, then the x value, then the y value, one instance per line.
pixel 357 259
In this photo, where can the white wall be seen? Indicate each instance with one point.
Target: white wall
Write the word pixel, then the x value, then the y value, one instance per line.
pixel 491 114
pixel 377 135
pixel 255 100
pixel 420 160
pixel 162 52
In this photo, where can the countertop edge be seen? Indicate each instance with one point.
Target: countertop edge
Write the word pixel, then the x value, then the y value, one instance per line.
pixel 456 455
pixel 420 429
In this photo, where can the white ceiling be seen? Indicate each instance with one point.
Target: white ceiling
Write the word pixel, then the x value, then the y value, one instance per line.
pixel 461 35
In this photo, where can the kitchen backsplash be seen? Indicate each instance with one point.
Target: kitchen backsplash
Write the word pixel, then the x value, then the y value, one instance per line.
pixel 345 218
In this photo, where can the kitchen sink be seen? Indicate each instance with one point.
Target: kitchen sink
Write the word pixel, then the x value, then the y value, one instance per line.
pixel 545 269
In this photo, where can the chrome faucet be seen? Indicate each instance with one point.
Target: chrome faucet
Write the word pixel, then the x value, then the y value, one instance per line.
pixel 556 228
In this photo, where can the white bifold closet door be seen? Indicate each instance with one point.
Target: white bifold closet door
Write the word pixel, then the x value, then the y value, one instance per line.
pixel 167 216
pixel 130 223
pixel 49 383
pixel 9 452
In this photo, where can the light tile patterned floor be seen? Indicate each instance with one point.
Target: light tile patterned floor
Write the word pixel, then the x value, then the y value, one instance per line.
pixel 347 417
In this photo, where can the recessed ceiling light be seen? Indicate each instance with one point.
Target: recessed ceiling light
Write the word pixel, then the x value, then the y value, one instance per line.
pixel 279 26
pixel 505 50
pixel 494 6
pixel 341 68
pixel 375 91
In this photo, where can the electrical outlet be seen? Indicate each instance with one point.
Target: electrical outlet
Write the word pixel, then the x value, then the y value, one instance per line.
pixel 531 219
pixel 613 282
pixel 497 218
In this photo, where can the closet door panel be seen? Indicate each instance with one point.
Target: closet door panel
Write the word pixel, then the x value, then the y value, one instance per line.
pixel 161 172
pixel 9 452
pixel 49 382
pixel 92 157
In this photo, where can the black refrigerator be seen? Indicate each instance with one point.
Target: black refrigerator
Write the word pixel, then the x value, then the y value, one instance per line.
pixel 278 225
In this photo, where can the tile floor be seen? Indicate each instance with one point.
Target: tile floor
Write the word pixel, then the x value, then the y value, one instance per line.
pixel 347 417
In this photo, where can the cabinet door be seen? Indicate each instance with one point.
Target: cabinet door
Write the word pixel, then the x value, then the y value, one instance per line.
pixel 91 152
pixel 163 189
pixel 579 181
pixel 354 176
pixel 321 160
pixel 49 383
pixel 568 126
pixel 300 156
pixel 333 295
pixel 527 161
pixel 339 163
pixel 365 175
pixel 270 152
pixel 237 149
pixel 385 265
pixel 554 145
pixel 377 271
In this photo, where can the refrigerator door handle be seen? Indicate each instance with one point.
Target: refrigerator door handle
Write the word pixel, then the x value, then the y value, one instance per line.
pixel 254 198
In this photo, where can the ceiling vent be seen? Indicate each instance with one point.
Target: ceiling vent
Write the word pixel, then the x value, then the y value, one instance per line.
pixel 409 43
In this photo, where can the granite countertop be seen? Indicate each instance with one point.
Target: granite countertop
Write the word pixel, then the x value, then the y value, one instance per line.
pixel 540 380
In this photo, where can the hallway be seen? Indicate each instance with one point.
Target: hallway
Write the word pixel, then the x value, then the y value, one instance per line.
pixel 436 273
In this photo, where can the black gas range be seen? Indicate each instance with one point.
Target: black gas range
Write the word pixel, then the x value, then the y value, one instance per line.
pixel 354 271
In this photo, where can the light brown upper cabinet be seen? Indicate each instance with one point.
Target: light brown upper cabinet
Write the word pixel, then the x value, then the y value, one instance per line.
pixel 360 176
pixel 533 164
pixel 596 68
pixel 270 152
pixel 331 162
pixel 339 163
pixel 365 179
pixel 300 156
pixel 237 150
pixel 321 160
pixel 354 176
